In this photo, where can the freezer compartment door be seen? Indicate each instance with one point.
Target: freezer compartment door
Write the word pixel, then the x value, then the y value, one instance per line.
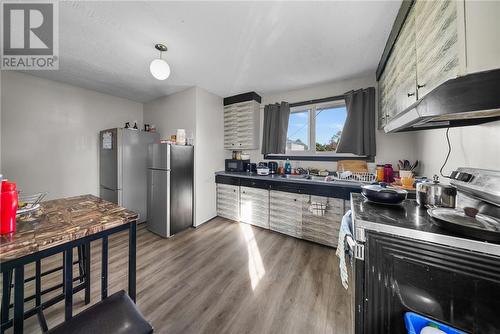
pixel 159 156
pixel 159 202
pixel 108 158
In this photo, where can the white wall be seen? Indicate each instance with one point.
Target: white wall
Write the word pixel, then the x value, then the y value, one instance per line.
pixel 172 112
pixel 472 146
pixel 201 114
pixel 209 152
pixel 390 147
pixel 49 133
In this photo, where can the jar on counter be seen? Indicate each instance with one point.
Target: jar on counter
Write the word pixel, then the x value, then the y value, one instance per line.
pixel 380 173
pixel 388 173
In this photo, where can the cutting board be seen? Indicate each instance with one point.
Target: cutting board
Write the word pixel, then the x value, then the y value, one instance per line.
pixel 352 166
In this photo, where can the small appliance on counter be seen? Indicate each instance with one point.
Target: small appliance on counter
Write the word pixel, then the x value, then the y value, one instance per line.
pixel 273 167
pixel 236 165
pixel 262 169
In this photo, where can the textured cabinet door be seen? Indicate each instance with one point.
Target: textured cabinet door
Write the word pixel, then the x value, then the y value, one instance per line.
pixel 437 42
pixel 322 229
pixel 228 201
pixel 285 213
pixel 406 59
pixel 241 125
pixel 254 206
pixel 387 92
pixel 230 127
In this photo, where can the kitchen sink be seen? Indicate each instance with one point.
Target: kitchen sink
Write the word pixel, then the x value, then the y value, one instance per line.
pixel 320 179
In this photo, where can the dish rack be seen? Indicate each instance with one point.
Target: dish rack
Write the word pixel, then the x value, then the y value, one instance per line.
pixel 364 177
pixel 32 202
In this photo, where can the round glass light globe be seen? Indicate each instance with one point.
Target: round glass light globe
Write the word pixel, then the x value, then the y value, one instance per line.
pixel 159 69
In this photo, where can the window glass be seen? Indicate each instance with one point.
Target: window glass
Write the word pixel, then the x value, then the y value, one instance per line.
pixel 329 124
pixel 298 131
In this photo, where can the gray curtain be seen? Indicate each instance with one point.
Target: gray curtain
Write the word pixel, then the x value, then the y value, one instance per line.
pixel 275 128
pixel 358 135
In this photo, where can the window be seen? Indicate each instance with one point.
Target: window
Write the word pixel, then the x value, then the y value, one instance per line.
pixel 297 138
pixel 315 130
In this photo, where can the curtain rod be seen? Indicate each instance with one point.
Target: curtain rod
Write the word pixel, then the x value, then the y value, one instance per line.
pixel 325 99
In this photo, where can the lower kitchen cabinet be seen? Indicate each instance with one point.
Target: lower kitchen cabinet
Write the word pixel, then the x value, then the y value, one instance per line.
pixel 228 201
pixel 254 206
pixel 285 212
pixel 321 226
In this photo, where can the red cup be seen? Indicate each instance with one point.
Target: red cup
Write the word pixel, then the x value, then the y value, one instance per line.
pixel 8 202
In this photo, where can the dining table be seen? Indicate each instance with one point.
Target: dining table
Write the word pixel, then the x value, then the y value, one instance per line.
pixel 60 226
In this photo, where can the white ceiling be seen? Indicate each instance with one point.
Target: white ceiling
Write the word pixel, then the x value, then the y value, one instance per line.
pixel 224 47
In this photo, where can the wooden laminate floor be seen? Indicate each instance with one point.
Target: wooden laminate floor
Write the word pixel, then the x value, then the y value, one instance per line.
pixel 223 277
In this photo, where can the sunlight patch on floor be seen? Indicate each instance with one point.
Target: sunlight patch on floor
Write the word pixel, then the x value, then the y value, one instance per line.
pixel 256 269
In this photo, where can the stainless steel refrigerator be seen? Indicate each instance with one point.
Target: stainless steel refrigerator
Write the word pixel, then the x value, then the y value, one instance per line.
pixel 170 188
pixel 123 156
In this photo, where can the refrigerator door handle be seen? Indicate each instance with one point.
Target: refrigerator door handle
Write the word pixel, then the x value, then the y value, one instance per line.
pixel 104 187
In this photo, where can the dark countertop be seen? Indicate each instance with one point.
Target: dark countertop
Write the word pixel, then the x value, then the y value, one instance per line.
pixel 62 220
pixel 278 178
pixel 411 221
pixel 335 189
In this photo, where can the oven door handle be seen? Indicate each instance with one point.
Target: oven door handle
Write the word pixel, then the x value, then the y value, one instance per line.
pixel 357 248
pixel 350 241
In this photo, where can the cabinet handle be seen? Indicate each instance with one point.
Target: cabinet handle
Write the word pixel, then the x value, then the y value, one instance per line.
pixel 420 86
pixel 411 94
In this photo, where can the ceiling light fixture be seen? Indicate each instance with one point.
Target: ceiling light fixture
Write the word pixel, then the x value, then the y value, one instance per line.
pixel 159 67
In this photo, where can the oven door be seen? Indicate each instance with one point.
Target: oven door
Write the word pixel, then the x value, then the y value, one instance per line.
pixel 452 286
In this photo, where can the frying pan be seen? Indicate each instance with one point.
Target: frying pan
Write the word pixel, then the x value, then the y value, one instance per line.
pixel 382 194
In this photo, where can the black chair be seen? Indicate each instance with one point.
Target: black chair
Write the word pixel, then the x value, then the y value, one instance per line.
pixel 116 314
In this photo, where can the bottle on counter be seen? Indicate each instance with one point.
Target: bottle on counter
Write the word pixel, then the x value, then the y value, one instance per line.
pixel 288 167
pixel 9 201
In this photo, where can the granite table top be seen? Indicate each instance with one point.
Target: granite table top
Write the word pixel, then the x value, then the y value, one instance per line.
pixel 411 221
pixel 60 221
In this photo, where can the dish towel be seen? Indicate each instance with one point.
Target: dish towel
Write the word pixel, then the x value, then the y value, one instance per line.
pixel 343 247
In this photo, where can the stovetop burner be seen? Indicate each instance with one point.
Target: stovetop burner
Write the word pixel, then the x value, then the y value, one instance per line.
pixel 477 214
pixel 480 226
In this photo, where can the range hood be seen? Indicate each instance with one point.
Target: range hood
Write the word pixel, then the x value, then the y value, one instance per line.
pixel 468 100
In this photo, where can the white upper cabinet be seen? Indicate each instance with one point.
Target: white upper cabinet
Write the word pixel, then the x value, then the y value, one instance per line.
pixel 241 125
pixel 439 43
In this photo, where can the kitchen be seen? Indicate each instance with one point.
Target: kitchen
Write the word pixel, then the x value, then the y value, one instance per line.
pixel 266 222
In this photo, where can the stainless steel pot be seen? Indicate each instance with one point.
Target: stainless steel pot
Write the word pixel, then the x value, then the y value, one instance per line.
pixel 435 194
